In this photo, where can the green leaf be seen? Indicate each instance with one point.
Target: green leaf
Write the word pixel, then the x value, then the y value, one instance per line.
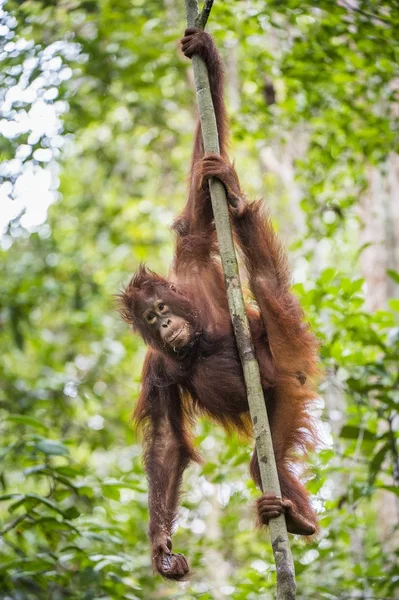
pixel 36 469
pixel 52 447
pixel 352 432
pixel 390 488
pixel 111 492
pixel 32 499
pixel 393 275
pixel 68 471
pixel 72 513
pixel 328 275
pixel 10 497
pixel 26 420
pixel 377 461
pixel 393 304
pixel 85 490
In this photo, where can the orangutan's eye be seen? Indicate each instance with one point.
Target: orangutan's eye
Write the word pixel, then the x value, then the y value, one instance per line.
pixel 162 307
pixel 150 318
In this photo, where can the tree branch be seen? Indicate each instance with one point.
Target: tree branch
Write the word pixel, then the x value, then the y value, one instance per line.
pixel 202 18
pixel 14 523
pixel 278 531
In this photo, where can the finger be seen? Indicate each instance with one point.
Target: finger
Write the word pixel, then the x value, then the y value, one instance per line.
pixel 267 518
pixel 270 503
pixel 185 563
pixel 213 159
pixel 267 510
pixel 210 172
pixel 270 514
pixel 189 49
pixel 163 564
pixel 273 515
pixel 270 500
pixel 213 164
pixel 190 41
pixel 212 155
pixel 180 566
pixel 187 40
pixel 164 548
pixel 271 496
pixel 267 513
pixel 191 30
pixel 176 567
pixel 238 211
pixel 274 501
pixel 210 160
pixel 234 200
pixel 209 175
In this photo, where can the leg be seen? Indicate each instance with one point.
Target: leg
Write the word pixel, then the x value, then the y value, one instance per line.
pixel 299 516
pixel 270 507
pixel 292 345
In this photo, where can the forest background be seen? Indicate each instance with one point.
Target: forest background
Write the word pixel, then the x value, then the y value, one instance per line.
pixel 97 117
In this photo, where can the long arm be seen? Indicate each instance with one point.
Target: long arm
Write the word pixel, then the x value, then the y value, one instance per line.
pixel 197 261
pixel 167 452
pixel 197 215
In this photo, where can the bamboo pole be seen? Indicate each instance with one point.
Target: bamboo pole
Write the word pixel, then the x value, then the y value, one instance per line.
pixel 286 585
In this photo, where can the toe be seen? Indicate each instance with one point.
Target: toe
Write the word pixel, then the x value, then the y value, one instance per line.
pixel 271 497
pixel 179 566
pixel 184 563
pixel 267 512
pixel 273 514
pixel 267 506
pixel 270 502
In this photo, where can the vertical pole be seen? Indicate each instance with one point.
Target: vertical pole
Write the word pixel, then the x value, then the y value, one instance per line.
pixel 286 585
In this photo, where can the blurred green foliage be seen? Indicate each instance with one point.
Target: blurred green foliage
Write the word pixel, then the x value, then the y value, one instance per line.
pixel 73 506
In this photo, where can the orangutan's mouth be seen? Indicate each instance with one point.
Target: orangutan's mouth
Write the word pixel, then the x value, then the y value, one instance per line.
pixel 175 336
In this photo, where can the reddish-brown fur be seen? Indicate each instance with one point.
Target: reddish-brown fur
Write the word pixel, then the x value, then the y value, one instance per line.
pixel 206 376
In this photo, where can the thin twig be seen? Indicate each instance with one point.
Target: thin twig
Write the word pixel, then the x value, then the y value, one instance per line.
pixel 14 547
pixel 364 13
pixel 14 523
pixel 202 18
pixel 394 448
